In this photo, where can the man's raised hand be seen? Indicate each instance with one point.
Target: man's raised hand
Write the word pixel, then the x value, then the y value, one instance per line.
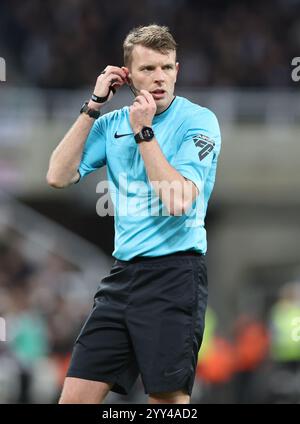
pixel 142 111
pixel 112 76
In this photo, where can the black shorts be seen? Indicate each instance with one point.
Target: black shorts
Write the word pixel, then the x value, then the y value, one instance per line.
pixel 148 319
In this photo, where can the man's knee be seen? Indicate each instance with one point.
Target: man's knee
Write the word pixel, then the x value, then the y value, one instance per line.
pixel 180 396
pixel 81 391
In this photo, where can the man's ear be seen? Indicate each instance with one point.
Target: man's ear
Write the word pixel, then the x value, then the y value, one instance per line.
pixel 127 73
pixel 177 69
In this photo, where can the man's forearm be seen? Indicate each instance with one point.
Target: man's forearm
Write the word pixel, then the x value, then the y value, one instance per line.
pixel 65 159
pixel 176 192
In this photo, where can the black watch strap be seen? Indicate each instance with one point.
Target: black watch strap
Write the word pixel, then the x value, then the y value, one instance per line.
pixel 93 113
pixel 98 99
pixel 138 137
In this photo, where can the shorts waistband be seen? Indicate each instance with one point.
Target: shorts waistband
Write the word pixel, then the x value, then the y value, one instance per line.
pixel 186 253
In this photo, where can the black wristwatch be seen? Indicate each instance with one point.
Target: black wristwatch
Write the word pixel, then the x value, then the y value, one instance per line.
pixel 146 134
pixel 93 113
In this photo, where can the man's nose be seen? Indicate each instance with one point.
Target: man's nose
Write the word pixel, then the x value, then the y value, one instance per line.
pixel 159 75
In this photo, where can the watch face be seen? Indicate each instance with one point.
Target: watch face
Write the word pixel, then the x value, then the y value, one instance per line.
pixel 147 133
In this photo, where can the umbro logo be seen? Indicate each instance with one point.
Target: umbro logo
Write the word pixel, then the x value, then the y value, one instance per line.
pixel 121 135
pixel 205 143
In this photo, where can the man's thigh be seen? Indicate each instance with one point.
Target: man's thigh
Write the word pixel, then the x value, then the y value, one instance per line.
pixel 77 390
pixel 177 397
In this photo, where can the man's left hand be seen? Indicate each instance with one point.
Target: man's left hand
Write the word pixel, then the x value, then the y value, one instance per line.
pixel 142 111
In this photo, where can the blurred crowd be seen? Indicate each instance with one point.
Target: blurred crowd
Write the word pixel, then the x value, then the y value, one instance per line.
pixel 66 44
pixel 45 302
pixel 259 361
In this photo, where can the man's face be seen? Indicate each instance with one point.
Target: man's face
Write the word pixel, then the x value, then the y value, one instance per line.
pixel 155 72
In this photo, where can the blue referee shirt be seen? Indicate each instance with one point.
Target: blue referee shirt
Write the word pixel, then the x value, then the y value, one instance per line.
pixel 189 137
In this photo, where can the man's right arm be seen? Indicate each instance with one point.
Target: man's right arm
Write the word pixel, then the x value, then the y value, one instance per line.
pixel 66 158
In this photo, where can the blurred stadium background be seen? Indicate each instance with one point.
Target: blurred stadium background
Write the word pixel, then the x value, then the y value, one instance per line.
pixel 235 58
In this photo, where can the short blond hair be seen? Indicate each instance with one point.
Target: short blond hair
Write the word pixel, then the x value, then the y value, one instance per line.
pixel 153 36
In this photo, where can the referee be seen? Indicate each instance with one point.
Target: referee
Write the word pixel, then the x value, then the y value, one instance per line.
pixel 148 313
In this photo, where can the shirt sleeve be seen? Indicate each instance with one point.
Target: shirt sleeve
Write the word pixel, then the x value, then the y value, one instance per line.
pixel 94 152
pixel 199 148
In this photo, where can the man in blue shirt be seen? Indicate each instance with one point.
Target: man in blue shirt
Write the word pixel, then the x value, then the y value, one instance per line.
pixel 161 155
